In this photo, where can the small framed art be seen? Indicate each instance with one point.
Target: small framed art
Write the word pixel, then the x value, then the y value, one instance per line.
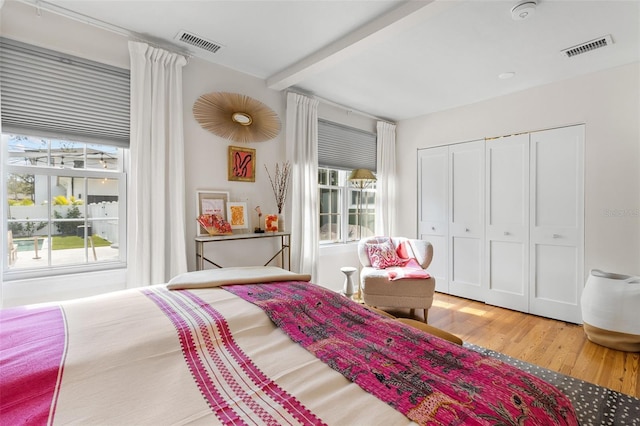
pixel 242 164
pixel 237 215
pixel 210 202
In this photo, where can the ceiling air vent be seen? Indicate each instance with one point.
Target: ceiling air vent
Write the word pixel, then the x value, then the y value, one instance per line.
pixel 588 46
pixel 199 42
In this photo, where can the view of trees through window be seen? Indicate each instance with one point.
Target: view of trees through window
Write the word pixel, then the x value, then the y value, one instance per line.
pixel 63 202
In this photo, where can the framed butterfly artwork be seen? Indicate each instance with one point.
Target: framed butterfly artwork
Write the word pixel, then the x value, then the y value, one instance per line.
pixel 242 162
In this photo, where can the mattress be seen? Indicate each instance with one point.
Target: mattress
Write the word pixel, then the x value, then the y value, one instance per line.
pixel 271 348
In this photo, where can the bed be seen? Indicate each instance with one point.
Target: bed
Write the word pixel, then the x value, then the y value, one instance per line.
pixel 249 346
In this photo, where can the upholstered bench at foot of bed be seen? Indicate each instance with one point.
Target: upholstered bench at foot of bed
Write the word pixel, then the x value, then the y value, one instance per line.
pixel 377 290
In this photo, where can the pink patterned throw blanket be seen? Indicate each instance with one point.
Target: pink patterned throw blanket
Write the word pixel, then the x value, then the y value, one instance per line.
pixel 428 379
pixel 410 270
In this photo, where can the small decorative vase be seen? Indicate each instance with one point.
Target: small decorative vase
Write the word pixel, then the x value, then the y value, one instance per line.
pixel 271 223
pixel 281 222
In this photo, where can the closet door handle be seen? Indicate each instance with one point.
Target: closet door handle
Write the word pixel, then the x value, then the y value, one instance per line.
pixel 506 233
pixel 556 235
pixel 466 229
pixel 433 228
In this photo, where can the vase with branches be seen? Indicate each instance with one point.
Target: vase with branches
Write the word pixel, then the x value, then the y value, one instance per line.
pixel 280 183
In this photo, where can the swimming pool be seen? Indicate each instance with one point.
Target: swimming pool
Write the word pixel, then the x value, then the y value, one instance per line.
pixel 27 245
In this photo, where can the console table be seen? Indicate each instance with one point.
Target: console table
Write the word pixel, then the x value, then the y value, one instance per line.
pixel 284 246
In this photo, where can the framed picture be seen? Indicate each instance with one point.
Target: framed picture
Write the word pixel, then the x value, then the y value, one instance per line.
pixel 237 215
pixel 210 202
pixel 242 164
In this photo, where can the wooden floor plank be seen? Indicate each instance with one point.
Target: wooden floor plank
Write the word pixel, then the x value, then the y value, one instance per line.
pixel 556 345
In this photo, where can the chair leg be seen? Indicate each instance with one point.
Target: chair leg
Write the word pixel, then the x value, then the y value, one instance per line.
pixel 412 312
pixel 426 312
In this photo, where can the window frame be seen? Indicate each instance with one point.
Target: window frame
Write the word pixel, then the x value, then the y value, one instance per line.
pixel 346 196
pixel 51 172
pixel 74 99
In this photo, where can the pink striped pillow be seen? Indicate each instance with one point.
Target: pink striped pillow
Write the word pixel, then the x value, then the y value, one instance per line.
pixel 383 255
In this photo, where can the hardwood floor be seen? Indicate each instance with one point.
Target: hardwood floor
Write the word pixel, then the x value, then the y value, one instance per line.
pixel 552 344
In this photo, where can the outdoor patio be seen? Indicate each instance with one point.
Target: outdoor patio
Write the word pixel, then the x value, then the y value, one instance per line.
pixel 28 258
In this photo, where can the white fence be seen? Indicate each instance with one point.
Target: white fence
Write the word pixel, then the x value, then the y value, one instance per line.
pixel 102 219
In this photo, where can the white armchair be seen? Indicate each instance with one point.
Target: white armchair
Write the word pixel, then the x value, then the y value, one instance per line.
pixel 379 291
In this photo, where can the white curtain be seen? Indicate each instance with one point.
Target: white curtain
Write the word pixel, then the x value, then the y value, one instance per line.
pixel 386 179
pixel 2 213
pixel 156 217
pixel 302 151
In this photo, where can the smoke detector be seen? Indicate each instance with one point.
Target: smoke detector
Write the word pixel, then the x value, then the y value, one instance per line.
pixel 523 10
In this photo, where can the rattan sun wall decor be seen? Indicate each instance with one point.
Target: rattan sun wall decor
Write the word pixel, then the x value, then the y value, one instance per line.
pixel 237 117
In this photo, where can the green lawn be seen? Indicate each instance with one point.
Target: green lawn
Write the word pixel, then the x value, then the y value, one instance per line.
pixel 70 242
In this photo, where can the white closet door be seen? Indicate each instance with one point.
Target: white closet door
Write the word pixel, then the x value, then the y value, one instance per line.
pixel 466 219
pixel 507 222
pixel 433 209
pixel 557 223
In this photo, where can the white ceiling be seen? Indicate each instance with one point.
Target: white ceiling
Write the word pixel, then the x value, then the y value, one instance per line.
pixel 392 59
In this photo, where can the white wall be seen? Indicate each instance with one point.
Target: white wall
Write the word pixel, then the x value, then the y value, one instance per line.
pixel 608 102
pixel 205 153
pixel 206 163
pixel 334 257
pixel 21 22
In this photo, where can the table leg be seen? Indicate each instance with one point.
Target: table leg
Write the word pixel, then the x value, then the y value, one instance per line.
pixel 199 256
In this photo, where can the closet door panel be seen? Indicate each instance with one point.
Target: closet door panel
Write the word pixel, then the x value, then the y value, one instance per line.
pixel 466 263
pixel 466 219
pixel 506 263
pixel 466 187
pixel 557 178
pixel 433 210
pixel 438 268
pixel 433 185
pixel 557 223
pixel 507 222
pixel 555 267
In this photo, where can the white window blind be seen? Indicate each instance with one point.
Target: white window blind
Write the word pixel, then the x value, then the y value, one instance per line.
pixel 51 94
pixel 345 148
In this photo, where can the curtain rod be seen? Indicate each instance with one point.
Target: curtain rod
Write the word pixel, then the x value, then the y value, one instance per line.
pixel 59 10
pixel 348 109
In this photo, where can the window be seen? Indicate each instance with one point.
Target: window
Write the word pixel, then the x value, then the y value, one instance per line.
pixel 346 212
pixel 344 216
pixel 65 203
pixel 65 124
pixel 345 148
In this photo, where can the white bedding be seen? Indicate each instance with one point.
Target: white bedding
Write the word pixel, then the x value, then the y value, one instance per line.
pixel 124 365
pixel 211 355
